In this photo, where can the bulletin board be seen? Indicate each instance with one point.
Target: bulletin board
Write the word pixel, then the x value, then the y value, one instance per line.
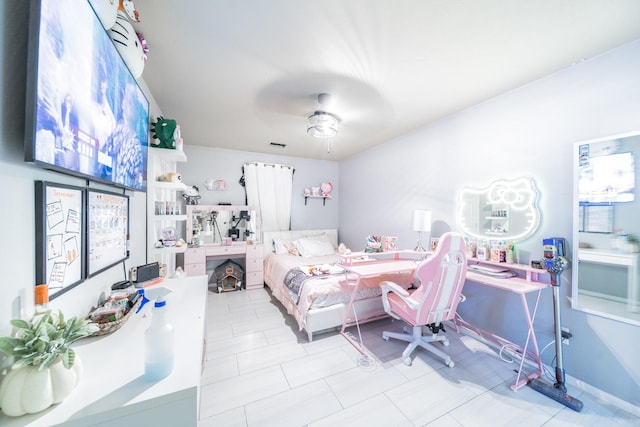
pixel 107 230
pixel 60 236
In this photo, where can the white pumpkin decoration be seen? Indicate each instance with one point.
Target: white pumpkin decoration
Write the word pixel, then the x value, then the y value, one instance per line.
pixel 46 369
pixel 27 390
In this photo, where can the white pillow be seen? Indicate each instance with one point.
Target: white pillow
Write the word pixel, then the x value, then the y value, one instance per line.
pixel 315 246
pixel 284 247
pixel 278 247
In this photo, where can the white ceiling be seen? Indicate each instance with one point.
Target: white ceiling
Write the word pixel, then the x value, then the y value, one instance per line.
pixel 240 74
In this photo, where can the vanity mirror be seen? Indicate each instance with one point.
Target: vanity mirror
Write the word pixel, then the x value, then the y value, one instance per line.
pixel 504 210
pixel 606 207
pixel 215 224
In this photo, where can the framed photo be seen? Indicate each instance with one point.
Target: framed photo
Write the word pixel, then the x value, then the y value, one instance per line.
pixel 107 230
pixel 434 243
pixel 60 236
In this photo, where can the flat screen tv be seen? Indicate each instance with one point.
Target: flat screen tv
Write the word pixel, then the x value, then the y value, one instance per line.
pixel 607 179
pixel 85 113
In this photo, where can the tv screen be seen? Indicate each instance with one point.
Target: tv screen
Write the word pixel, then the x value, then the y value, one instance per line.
pixel 607 179
pixel 86 115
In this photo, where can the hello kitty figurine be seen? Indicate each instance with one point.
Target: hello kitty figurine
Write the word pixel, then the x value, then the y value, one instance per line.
pixel 326 188
pixel 128 44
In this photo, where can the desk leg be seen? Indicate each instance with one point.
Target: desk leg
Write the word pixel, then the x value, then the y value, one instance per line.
pixel 531 336
pixel 500 343
pixel 347 320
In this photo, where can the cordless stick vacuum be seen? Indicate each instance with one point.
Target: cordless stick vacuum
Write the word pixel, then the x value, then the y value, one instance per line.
pixel 555 263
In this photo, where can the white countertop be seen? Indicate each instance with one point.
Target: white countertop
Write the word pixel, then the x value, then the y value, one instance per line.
pixel 112 385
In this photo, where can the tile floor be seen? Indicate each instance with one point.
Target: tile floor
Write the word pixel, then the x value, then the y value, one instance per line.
pixel 260 371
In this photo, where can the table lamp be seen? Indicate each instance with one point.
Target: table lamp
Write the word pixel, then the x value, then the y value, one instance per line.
pixel 421 224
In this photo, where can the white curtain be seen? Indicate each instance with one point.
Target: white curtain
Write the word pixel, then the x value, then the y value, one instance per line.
pixel 269 189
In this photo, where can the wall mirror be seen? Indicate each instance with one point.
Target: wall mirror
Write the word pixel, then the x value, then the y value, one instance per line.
pixel 504 210
pixel 606 229
pixel 214 223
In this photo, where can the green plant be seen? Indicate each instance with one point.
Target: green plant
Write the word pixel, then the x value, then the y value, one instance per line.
pixel 44 339
pixel 632 238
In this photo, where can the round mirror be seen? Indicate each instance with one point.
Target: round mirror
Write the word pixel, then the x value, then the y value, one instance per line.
pixel 504 210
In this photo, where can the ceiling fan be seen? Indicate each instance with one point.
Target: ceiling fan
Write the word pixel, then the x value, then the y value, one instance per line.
pixel 322 123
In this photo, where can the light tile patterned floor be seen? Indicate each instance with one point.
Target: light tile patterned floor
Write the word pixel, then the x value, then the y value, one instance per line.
pixel 260 371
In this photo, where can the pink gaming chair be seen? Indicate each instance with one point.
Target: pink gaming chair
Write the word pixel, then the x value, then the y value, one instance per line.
pixel 441 278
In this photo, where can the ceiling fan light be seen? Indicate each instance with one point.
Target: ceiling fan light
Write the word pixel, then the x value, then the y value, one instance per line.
pixel 322 125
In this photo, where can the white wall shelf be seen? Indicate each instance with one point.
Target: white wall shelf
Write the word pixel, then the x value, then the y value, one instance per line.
pixel 162 161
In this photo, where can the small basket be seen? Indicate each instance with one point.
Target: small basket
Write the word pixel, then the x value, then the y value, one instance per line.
pixel 107 328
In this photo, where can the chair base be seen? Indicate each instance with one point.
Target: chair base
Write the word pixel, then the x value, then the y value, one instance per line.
pixel 416 339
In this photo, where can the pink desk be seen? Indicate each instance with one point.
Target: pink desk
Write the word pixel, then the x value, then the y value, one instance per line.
pixel 520 286
pixel 371 268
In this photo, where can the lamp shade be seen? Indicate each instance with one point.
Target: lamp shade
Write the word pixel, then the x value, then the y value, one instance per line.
pixel 421 220
pixel 322 125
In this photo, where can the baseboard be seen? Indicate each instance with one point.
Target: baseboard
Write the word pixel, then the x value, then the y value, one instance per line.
pixel 604 396
pixel 579 384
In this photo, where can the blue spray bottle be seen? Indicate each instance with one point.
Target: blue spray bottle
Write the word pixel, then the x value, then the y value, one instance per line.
pixel 159 345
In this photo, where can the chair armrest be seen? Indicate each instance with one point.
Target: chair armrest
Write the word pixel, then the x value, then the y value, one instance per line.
pixel 387 286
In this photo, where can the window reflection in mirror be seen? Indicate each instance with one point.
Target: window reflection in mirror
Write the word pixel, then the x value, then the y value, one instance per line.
pixel 504 210
pixel 605 243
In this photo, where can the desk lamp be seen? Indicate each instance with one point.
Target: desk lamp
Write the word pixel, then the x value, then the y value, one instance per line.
pixel 421 223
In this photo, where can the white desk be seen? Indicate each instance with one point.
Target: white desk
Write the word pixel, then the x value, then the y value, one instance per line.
pixel 194 260
pixel 112 390
pixel 620 259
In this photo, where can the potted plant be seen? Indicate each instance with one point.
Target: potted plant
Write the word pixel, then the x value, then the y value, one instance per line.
pixel 45 369
pixel 633 243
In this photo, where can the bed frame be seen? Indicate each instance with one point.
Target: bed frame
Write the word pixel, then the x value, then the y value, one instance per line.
pixel 325 318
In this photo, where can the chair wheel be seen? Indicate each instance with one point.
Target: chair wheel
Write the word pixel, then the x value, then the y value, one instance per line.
pixel 386 338
pixel 445 343
pixel 450 363
pixel 407 361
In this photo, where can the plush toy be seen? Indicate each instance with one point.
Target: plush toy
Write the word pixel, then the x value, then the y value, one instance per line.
pixel 107 10
pixel 143 43
pixel 326 188
pixel 126 41
pixel 129 7
pixel 165 131
pixel 192 195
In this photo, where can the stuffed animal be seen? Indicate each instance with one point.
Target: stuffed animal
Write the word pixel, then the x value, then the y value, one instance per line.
pixel 165 131
pixel 129 7
pixel 192 195
pixel 326 188
pixel 106 10
pixel 128 44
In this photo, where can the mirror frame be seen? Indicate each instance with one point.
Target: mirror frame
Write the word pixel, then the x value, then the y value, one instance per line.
pixel 520 194
pixel 249 223
pixel 603 230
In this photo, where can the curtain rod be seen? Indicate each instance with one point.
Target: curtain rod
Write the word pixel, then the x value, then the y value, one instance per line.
pixel 268 164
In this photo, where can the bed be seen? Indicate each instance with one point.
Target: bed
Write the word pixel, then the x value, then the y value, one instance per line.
pixel 301 270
